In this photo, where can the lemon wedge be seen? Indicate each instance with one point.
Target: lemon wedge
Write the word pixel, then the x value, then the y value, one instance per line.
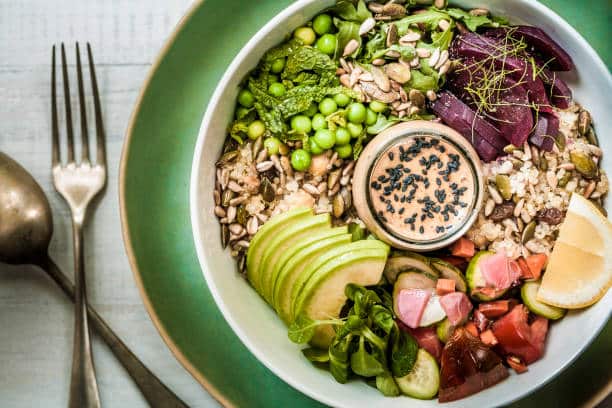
pixel 579 270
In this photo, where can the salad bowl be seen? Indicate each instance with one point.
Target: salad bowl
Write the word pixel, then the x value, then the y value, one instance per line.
pixel 257 325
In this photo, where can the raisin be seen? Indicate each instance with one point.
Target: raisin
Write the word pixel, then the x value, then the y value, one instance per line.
pixel 551 216
pixel 502 211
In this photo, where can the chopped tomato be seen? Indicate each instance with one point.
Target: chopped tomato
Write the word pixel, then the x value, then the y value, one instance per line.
pixel 526 273
pixel 516 364
pixel 480 320
pixel 494 309
pixel 463 248
pixel 536 264
pixel 445 286
pixel 471 328
pixel 488 338
pixel 516 337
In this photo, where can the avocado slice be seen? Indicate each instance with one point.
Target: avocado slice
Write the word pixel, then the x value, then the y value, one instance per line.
pixel 294 249
pixel 404 261
pixel 294 268
pixel 323 296
pixel 317 263
pixel 292 233
pixel 267 231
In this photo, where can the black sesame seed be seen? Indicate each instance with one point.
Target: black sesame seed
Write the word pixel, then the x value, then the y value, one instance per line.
pixel 390 155
pixel 421 229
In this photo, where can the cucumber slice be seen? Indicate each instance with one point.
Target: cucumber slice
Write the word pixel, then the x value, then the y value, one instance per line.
pixel 476 282
pixel 424 379
pixel 444 329
pixel 529 291
pixel 404 261
pixel 433 312
pixel 448 271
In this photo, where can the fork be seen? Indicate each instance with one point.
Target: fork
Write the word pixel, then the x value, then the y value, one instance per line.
pixel 79 183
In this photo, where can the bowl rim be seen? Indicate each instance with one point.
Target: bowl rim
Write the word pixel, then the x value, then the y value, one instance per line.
pixel 127 238
pixel 536 6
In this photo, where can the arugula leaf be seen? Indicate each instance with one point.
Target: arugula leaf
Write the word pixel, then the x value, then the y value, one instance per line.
pixel 387 385
pixel 406 51
pixel 347 31
pixel 473 22
pixel 347 10
pixel 316 355
pixel 376 43
pixel 364 364
pixel 423 82
pixel 442 39
pixel 403 352
pixel 430 18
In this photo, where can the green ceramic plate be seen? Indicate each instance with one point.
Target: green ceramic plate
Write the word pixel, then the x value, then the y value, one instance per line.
pixel 154 194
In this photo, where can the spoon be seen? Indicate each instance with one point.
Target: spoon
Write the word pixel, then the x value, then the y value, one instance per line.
pixel 26 226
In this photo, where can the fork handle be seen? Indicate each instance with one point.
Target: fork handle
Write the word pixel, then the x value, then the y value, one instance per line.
pixel 153 390
pixel 83 385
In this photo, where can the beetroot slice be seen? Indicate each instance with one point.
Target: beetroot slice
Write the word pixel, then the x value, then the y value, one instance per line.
pixel 546 46
pixel 485 138
pixel 560 93
pixel 545 132
pixel 472 48
pixel 467 366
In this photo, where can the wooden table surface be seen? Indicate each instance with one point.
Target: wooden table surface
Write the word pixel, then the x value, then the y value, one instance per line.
pixel 36 320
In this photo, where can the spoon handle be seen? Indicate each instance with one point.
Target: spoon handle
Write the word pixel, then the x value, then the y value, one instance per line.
pixel 154 391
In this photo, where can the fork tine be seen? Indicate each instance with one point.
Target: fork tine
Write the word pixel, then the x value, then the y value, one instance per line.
pixel 55 156
pixel 69 135
pixel 84 134
pixel 100 137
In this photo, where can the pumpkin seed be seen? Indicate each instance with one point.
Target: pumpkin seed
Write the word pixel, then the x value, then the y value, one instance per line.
pixel 393 10
pixel 391 35
pixel 592 137
pixel 563 180
pixel 510 148
pixel 227 196
pixel 560 141
pixel 584 122
pixel 398 72
pixel 267 190
pixel 584 164
pixel 241 215
pixel 381 79
pixel 375 7
pixel 416 97
pixel 225 235
pixel 338 206
pixel 503 185
pixel 227 157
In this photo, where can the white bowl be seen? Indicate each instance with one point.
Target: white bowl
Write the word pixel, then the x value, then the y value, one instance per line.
pixel 256 323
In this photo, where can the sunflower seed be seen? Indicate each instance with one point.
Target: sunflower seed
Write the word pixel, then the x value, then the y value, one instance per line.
pixel 350 47
pixel 423 53
pixel 345 180
pixel 367 25
pixel 489 206
pixel 252 226
pixel 403 95
pixel 378 62
pixel 376 93
pixel 551 179
pixel 224 235
pixel 338 206
pixel 414 110
pixel 242 244
pixel 226 197
pixel 410 36
pixel 443 25
pixel 345 65
pixel 435 57
pixel 345 80
pixel 286 165
pixel 219 211
pixel 525 216
pixel 393 10
pixel 235 187
pixel 231 214
pixel 348 168
pixel 262 217
pixel 391 35
pixel 445 68
pixel 442 60
pixel 310 189
pixel 236 229
pixel 393 54
pixel 257 146
pixel 519 207
pixel 415 62
pixel 227 157
pixel 479 12
pixel 340 71
pixel 588 191
pixel 263 155
pixel 381 79
pixel 495 195
pixel 401 114
pixel 238 200
pixel 375 7
pixel 264 166
pixel 217 197
pixel 225 176
pixel 366 77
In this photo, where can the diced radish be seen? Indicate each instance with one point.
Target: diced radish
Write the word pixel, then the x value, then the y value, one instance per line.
pixel 480 320
pixel 445 286
pixel 499 271
pixel 536 264
pixel 411 304
pixel 516 364
pixel 488 338
pixel 494 309
pixel 457 307
pixel 471 328
pixel 463 247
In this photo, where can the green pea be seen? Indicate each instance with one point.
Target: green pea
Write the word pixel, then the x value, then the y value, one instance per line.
pixel 344 151
pixel 356 113
pixel 343 136
pixel 326 44
pixel 319 122
pixel 342 99
pixel 241 112
pixel 322 24
pixel 327 106
pixel 246 98
pixel 272 145
pixel 378 106
pixel 306 35
pixel 355 129
pixel 277 89
pixel 312 110
pixel 301 123
pixel 278 65
pixel 314 147
pixel 256 129
pixel 300 160
pixel 371 117
pixel 325 138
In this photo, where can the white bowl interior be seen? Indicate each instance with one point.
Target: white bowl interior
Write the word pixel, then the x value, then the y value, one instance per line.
pixel 256 323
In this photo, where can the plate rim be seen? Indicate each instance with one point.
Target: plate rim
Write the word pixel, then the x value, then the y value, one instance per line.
pixel 125 231
pixel 194 181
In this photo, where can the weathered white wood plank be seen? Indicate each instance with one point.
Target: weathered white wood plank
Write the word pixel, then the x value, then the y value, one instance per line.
pixel 35 319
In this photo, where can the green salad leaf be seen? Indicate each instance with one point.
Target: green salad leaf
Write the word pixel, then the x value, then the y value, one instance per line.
pixel 316 355
pixel 239 129
pixel 387 385
pixel 474 22
pixel 351 11
pixel 430 18
pixel 403 352
pixel 339 358
pixel 406 51
pixel 364 363
pixel 347 31
pixel 382 317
